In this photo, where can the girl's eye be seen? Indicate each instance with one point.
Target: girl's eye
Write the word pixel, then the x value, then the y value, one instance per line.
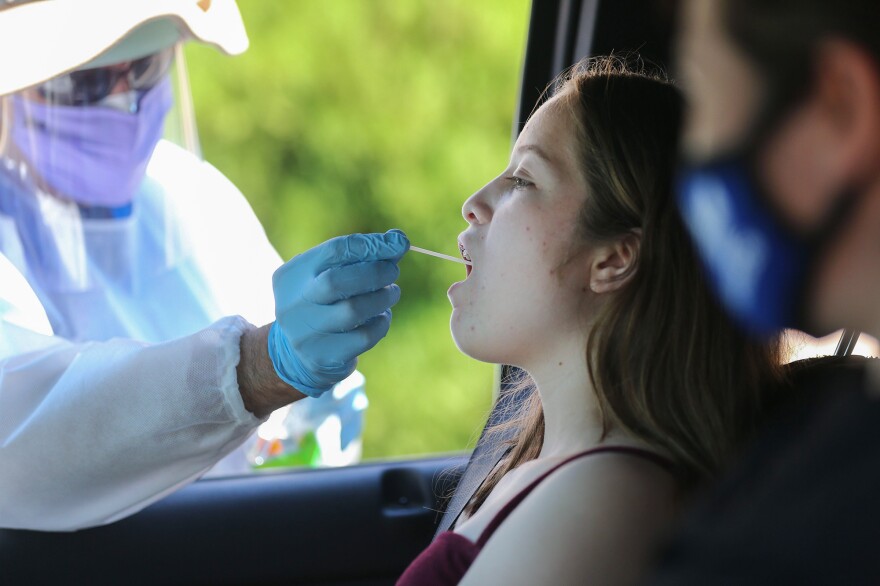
pixel 520 183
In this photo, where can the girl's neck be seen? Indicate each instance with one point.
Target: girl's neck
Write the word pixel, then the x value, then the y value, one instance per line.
pixel 572 421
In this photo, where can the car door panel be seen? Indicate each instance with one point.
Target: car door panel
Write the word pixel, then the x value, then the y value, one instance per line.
pixel 359 525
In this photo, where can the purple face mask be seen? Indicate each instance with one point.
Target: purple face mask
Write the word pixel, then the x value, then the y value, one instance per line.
pixel 94 155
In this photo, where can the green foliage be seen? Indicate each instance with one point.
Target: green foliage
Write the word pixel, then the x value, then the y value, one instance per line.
pixel 360 116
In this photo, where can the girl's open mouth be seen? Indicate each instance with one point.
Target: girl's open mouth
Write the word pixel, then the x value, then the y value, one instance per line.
pixel 464 255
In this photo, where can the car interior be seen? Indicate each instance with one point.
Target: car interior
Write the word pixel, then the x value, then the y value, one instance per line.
pixel 357 525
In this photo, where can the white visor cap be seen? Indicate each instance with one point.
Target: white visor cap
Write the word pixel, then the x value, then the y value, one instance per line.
pixel 42 39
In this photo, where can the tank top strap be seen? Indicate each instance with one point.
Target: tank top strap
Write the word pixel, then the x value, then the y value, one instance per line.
pixel 507 509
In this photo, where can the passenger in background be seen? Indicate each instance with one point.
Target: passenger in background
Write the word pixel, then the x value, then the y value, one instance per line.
pixel 783 151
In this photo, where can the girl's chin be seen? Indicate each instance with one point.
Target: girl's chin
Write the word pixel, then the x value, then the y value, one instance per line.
pixel 475 342
pixel 463 334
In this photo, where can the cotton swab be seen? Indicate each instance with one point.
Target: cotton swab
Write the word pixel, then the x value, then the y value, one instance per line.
pixel 439 255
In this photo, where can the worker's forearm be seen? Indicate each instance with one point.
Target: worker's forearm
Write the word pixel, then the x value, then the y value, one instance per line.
pixel 261 389
pixel 94 432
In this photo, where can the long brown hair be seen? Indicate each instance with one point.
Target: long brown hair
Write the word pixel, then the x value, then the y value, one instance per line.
pixel 666 363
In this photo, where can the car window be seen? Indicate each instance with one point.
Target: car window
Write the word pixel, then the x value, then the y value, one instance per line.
pixel 361 117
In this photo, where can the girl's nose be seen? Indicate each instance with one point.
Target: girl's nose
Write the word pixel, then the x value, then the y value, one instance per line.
pixel 476 209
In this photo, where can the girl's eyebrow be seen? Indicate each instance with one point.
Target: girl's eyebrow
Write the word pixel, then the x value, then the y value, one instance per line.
pixel 533 148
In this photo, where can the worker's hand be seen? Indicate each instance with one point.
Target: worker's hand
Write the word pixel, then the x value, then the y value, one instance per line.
pixel 332 303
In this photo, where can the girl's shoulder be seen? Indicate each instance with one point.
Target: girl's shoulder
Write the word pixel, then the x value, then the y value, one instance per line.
pixel 625 460
pixel 599 515
pixel 607 477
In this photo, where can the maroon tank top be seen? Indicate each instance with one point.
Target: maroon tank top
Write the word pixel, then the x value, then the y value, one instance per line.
pixel 448 558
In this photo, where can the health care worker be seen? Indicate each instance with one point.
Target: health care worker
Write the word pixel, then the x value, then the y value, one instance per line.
pixel 119 250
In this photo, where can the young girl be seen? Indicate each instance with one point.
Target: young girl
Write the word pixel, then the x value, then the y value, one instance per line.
pixel 583 277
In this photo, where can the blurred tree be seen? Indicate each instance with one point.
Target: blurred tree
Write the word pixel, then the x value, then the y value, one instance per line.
pixel 360 116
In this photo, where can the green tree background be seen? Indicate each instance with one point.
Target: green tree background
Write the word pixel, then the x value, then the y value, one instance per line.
pixel 360 116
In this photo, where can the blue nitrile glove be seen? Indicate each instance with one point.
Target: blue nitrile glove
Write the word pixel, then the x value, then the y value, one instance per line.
pixel 332 303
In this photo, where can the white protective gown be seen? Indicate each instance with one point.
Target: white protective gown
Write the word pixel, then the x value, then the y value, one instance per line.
pixel 93 431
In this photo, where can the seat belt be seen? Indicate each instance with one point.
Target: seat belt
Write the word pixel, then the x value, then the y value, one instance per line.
pixel 847 342
pixel 486 455
pixel 482 462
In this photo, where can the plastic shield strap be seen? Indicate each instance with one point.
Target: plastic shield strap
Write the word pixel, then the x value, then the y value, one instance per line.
pixel 180 124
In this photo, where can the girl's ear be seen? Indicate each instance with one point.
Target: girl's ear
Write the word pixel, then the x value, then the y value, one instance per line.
pixel 615 263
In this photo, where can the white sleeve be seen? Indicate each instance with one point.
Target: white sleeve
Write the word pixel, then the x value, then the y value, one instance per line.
pixel 223 235
pixel 91 433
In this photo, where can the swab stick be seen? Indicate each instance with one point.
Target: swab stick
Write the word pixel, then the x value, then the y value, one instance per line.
pixel 439 255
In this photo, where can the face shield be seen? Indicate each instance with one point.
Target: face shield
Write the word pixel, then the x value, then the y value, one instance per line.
pixel 86 137
pixel 111 215
pixel 106 207
pixel 81 212
pixel 87 99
